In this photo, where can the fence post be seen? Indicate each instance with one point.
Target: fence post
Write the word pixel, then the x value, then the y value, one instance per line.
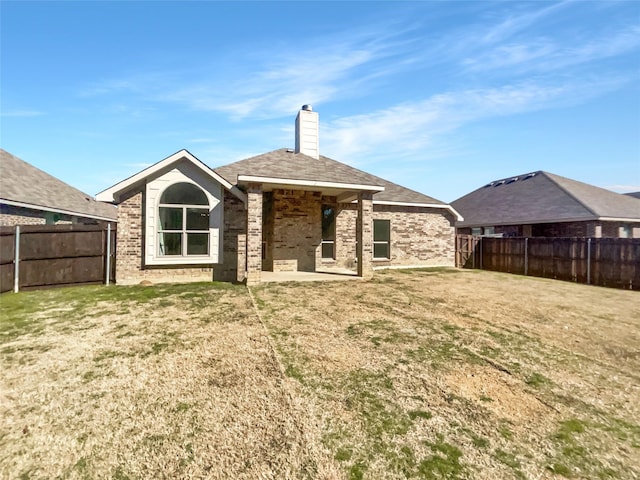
pixel 526 255
pixel 588 261
pixel 473 244
pixel 108 269
pixel 16 262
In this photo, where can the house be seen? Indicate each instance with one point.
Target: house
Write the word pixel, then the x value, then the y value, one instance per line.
pixel 285 210
pixel 541 204
pixel 29 196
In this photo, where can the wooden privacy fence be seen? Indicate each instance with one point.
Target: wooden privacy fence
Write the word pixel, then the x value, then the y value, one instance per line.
pixel 38 256
pixel 607 262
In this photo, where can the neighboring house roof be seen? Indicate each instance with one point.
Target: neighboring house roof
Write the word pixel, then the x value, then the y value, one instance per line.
pixel 24 185
pixel 542 197
pixel 633 194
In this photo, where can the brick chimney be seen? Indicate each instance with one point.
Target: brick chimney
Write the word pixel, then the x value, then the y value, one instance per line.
pixel 307 126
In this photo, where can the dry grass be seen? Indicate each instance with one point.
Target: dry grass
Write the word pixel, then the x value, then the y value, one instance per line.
pixel 415 374
pixel 154 382
pixel 462 374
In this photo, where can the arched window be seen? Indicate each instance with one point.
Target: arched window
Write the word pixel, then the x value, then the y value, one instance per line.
pixel 183 221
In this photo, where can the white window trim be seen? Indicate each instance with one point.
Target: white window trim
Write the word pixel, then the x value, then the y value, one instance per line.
pixel 379 242
pixel 156 259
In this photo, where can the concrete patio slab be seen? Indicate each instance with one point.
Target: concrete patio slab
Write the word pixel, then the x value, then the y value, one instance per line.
pixel 321 275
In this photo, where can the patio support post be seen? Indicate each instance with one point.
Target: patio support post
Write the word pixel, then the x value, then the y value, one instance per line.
pixel 364 232
pixel 254 233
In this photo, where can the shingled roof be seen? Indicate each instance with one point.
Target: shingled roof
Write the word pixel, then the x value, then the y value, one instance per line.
pixel 24 185
pixel 286 164
pixel 542 197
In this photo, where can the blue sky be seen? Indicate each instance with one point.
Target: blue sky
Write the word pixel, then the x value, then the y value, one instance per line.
pixel 441 97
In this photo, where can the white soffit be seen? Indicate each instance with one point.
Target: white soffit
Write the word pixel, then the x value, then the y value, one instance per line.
pixel 309 183
pixel 459 217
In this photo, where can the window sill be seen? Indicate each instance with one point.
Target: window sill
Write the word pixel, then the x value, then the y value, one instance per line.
pixel 195 260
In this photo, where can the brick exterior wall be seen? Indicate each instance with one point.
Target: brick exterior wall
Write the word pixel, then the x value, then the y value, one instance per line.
pixel 294 230
pixel 593 229
pixel 364 234
pixel 419 236
pixel 565 229
pixel 11 216
pixel 234 241
pixel 254 234
pixel 129 251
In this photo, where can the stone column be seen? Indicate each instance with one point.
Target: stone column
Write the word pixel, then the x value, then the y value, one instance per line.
pixel 254 233
pixel 364 233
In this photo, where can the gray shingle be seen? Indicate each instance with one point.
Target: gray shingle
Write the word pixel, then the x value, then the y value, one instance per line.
pixel 542 197
pixel 22 182
pixel 284 163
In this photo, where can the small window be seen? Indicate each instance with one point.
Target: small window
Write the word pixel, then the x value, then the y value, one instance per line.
pixel 625 232
pixel 489 230
pixel 382 239
pixel 476 231
pixel 183 221
pixel 328 232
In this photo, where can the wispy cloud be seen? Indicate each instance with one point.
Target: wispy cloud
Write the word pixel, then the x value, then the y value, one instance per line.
pixel 273 84
pixel 407 129
pixel 546 54
pixel 516 23
pixel 316 75
pixel 509 42
pixel 22 113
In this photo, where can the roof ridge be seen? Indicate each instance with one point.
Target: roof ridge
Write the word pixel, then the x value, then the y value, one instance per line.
pixel 553 176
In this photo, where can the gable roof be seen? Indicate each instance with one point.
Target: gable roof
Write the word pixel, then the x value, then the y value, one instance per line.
pixel 111 193
pixel 284 164
pixel 24 185
pixel 283 168
pixel 542 197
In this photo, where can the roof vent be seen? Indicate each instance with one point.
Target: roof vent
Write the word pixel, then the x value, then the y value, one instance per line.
pixel 307 108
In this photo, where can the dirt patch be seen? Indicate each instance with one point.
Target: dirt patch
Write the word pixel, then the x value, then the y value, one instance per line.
pixel 499 393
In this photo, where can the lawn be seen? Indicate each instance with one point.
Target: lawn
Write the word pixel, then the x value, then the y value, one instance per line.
pixel 433 373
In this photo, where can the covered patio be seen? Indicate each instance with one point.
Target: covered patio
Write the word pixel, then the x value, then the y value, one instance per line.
pixel 285 227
